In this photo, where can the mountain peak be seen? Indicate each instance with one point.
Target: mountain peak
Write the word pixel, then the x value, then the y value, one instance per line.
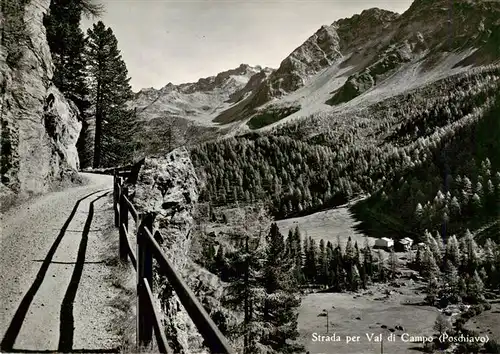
pixel 373 14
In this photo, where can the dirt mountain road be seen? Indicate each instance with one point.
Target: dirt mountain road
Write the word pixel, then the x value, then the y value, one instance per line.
pixel 53 295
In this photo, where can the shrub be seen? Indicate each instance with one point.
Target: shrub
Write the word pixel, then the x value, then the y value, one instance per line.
pixel 492 347
pixel 475 310
pixel 459 323
pixel 429 347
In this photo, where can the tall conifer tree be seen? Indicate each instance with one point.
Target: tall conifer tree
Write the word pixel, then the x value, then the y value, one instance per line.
pixel 281 300
pixel 67 45
pixel 110 90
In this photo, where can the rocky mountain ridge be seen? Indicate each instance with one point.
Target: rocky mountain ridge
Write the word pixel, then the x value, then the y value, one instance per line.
pixel 370 56
pixel 199 101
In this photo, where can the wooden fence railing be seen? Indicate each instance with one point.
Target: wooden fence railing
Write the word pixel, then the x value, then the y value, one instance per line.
pixel 147 248
pixel 131 171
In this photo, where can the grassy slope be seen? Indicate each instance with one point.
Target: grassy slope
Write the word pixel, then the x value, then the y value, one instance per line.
pixel 328 225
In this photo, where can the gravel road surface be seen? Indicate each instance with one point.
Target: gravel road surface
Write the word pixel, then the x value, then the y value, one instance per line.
pixel 53 295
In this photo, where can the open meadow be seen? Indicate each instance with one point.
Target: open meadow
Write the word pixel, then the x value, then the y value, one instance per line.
pixel 371 312
pixel 329 225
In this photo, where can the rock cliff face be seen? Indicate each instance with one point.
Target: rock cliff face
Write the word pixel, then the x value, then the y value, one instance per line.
pixel 40 127
pixel 317 52
pixel 168 187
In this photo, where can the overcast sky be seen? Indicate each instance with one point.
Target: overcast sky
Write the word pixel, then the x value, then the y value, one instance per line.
pixel 181 41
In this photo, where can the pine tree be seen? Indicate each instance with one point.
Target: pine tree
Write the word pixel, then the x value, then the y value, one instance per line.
pixel 476 204
pixel 441 245
pixel 488 254
pixel 462 287
pixel 452 290
pixel 337 270
pixel 356 254
pixel 356 279
pixel 290 251
pixel 475 288
pixel 110 90
pixel 433 245
pixel 432 291
pixel 67 45
pixel 299 273
pixel 281 299
pixel 349 252
pixel 419 258
pixel 329 263
pixel 393 263
pixel 455 207
pixel 483 275
pixel 310 265
pixel 367 263
pixel 442 324
pixel 452 252
pixel 322 263
pixel 243 294
pixel 470 256
pixel 430 268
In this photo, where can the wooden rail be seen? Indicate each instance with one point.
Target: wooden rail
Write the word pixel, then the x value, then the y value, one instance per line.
pixel 128 170
pixel 148 320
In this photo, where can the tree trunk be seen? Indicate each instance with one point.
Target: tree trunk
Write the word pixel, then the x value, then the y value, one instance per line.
pixel 247 312
pixel 98 128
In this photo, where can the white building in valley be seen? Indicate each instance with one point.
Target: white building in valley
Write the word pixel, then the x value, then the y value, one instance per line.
pixel 384 242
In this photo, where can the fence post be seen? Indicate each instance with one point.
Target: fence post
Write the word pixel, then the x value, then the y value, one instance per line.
pixel 144 270
pixel 123 221
pixel 116 198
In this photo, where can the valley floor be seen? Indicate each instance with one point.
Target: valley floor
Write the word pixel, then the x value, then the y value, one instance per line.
pixel 364 314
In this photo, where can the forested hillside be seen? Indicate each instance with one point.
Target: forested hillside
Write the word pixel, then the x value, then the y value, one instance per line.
pixel 438 147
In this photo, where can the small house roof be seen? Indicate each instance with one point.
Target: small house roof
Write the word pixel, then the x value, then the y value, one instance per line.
pixel 386 239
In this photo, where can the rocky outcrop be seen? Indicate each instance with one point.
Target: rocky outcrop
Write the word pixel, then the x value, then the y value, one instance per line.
pixel 85 144
pixel 428 29
pixel 251 85
pixel 319 51
pixel 168 188
pixel 40 127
